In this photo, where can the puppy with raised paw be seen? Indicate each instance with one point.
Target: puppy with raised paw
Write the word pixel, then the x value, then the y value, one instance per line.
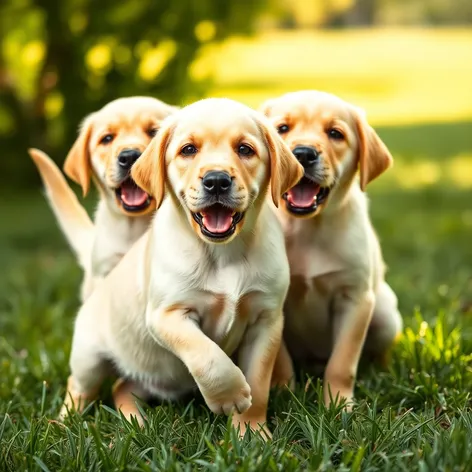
pixel 207 281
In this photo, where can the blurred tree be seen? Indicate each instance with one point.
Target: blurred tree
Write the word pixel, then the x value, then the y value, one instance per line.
pixel 346 13
pixel 424 12
pixel 62 59
pixel 360 13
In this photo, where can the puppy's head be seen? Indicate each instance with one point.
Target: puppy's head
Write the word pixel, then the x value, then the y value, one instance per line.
pixel 109 142
pixel 217 158
pixel 331 139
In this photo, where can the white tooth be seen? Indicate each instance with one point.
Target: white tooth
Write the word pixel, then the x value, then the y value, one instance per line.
pixel 314 198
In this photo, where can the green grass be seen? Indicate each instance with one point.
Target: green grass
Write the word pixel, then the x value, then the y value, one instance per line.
pixel 414 415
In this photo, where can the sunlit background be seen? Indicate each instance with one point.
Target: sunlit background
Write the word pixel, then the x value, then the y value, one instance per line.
pixel 408 63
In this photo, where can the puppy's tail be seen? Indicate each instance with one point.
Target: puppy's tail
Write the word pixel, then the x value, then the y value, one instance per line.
pixel 71 215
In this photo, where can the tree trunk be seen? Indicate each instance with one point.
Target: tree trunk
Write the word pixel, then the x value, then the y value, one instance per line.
pixel 361 14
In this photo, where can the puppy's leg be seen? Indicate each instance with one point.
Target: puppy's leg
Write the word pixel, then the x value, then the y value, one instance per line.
pixel 353 313
pixel 84 382
pixel 88 367
pixel 220 381
pixel 124 396
pixel 257 356
pixel 283 374
pixel 386 325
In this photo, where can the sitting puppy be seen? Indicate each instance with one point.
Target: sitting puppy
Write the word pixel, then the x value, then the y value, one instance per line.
pixel 109 142
pixel 209 278
pixel 337 292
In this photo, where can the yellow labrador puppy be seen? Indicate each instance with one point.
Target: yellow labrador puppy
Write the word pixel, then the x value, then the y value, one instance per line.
pixel 207 281
pixel 337 293
pixel 109 142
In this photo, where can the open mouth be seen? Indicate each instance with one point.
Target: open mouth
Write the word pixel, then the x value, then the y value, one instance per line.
pixel 132 197
pixel 217 221
pixel 305 197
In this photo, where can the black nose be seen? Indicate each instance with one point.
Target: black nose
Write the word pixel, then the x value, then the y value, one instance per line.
pixel 306 155
pixel 217 182
pixel 128 157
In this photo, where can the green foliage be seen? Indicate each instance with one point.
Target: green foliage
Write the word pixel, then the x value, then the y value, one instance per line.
pixel 414 415
pixel 62 59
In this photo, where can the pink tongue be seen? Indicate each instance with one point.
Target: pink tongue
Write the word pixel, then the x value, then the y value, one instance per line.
pixel 132 195
pixel 217 219
pixel 302 195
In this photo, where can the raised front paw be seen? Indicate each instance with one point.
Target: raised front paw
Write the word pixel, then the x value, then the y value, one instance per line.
pixel 227 393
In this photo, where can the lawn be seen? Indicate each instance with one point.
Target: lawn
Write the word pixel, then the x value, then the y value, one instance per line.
pixel 413 415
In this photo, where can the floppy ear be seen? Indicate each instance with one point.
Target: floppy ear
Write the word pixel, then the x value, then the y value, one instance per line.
pixel 285 170
pixel 374 157
pixel 149 171
pixel 77 165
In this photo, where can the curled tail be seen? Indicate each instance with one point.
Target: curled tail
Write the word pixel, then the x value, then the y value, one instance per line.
pixel 71 215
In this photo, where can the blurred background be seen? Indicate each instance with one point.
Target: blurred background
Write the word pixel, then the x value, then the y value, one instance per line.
pixel 407 62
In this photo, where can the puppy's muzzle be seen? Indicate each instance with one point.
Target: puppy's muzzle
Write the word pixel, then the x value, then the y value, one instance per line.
pixel 305 198
pixel 218 219
pixel 307 156
pixel 132 198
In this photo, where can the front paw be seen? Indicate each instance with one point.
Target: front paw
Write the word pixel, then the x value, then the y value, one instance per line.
pixel 74 401
pixel 227 393
pixel 336 395
pixel 338 388
pixel 244 422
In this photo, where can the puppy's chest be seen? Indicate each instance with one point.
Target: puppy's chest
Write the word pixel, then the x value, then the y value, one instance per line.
pixel 319 273
pixel 309 315
pixel 310 259
pixel 315 277
pixel 114 239
pixel 232 304
pixel 132 229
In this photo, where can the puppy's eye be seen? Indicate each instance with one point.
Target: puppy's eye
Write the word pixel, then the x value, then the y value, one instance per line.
pixel 335 134
pixel 282 129
pixel 151 132
pixel 188 150
pixel 108 138
pixel 245 150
